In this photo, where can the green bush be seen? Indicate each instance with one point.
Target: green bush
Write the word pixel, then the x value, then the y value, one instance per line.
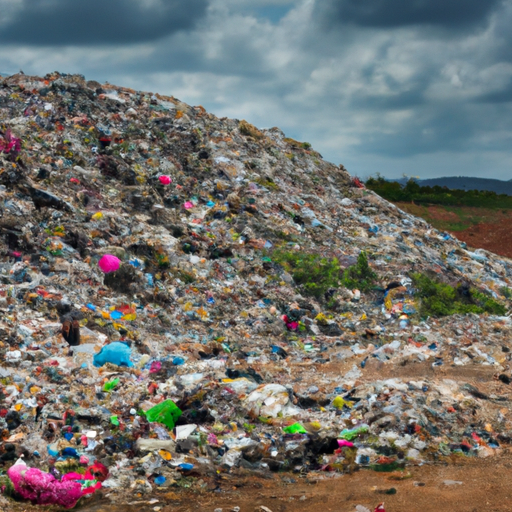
pixel 315 274
pixel 441 299
pixel 360 275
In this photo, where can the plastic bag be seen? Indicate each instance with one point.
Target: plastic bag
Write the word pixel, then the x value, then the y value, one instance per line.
pixel 166 412
pixel 116 353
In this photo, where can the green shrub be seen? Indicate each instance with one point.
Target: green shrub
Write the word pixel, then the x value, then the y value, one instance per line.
pixel 441 299
pixel 360 275
pixel 315 274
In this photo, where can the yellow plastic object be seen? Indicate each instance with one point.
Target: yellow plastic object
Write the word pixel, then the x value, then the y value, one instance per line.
pixel 165 454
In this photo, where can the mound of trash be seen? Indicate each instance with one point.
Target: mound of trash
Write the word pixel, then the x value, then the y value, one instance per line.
pixel 183 295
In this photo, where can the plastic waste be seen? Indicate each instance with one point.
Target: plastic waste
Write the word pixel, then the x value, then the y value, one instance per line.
pixel 109 263
pixel 164 179
pixel 296 428
pixel 117 353
pixel 166 412
pixel 44 489
pixel 271 400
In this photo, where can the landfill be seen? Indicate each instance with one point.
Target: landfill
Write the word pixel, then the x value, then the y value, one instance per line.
pixel 155 329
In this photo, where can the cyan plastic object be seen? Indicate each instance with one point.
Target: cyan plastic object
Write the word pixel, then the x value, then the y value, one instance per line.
pixel 117 353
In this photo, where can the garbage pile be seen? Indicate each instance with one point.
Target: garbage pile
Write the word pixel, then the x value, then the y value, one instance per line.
pixel 183 295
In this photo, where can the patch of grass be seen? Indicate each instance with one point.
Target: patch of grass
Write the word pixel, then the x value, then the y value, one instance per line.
pixel 267 183
pixel 441 299
pixel 250 130
pixel 185 276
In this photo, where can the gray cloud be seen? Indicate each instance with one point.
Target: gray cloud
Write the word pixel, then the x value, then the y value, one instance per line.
pixel 96 22
pixel 409 95
pixel 399 13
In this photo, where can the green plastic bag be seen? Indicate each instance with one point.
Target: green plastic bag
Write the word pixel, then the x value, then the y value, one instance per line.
pixel 296 428
pixel 166 412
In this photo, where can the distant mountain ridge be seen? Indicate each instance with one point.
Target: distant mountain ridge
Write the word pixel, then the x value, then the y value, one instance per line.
pixel 465 183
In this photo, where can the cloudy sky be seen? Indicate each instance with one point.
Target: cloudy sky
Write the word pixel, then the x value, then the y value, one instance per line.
pixel 421 87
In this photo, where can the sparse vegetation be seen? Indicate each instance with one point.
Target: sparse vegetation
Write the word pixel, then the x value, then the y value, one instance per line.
pixel 250 130
pixel 442 299
pixel 267 183
pixel 315 274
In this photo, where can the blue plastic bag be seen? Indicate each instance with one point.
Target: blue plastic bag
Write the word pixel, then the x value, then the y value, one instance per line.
pixel 116 353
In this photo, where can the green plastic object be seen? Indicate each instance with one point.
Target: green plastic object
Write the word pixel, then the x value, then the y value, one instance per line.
pixel 114 420
pixel 351 434
pixel 166 412
pixel 296 428
pixel 110 385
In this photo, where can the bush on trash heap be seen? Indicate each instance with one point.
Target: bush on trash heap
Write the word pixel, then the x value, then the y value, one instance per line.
pixel 442 299
pixel 314 273
pixel 360 276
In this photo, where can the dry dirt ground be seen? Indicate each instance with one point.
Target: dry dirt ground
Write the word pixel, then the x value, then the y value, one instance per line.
pixel 464 485
pixel 459 485
pixel 478 227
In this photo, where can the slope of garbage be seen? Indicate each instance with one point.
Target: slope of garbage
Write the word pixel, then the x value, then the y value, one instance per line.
pixel 155 330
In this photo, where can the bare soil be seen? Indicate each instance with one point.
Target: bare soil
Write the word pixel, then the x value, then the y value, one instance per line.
pixel 461 485
pixel 479 227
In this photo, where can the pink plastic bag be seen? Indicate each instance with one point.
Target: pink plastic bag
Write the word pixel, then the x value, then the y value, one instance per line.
pixel 43 488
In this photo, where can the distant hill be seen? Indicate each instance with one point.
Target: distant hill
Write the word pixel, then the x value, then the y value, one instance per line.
pixel 465 183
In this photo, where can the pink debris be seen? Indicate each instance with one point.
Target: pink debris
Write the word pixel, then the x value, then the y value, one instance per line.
pixel 43 488
pixel 188 205
pixel 343 443
pixel 212 440
pixel 291 326
pixel 9 143
pixel 156 366
pixel 165 180
pixel 109 263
